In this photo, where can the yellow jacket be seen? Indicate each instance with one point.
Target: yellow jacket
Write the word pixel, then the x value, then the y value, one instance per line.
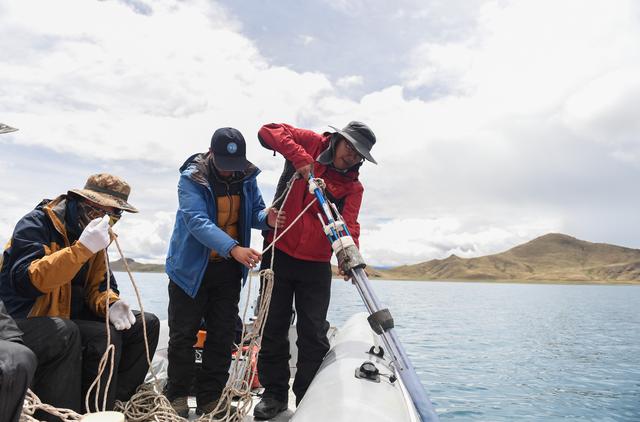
pixel 43 263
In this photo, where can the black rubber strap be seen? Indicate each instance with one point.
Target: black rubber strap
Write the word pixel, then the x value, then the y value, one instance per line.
pixel 381 321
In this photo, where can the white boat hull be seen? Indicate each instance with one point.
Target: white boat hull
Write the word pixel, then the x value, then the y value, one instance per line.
pixel 335 393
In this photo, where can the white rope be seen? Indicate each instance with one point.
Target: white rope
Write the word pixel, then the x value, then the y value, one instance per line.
pixel 151 403
pixel 144 321
pixel 109 352
pixel 148 403
pixel 32 403
pixel 242 375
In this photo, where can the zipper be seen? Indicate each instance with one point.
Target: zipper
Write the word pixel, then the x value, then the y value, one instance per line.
pixel 226 224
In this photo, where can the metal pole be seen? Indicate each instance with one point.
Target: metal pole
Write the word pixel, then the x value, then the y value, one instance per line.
pixel 380 319
pixel 405 370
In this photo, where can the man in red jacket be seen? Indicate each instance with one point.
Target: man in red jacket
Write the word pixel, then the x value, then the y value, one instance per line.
pixel 302 268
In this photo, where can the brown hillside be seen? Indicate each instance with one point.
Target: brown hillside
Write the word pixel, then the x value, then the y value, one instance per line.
pixel 137 266
pixel 552 257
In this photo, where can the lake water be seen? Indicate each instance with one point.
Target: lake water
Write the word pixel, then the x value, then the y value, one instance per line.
pixel 501 352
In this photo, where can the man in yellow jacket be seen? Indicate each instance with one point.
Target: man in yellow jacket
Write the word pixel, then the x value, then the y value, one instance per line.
pixel 54 278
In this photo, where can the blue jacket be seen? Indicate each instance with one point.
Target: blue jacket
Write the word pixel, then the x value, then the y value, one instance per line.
pixel 196 233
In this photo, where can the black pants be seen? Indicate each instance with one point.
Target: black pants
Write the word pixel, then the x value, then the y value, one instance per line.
pixel 216 302
pixel 56 344
pixel 17 368
pixel 309 284
pixel 68 353
pixel 130 363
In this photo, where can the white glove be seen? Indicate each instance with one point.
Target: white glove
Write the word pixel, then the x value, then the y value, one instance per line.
pixel 96 235
pixel 120 315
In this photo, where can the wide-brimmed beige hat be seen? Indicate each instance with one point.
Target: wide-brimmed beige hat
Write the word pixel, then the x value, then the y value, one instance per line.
pixel 107 190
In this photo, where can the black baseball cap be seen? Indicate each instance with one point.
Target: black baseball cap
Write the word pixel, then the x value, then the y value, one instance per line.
pixel 229 149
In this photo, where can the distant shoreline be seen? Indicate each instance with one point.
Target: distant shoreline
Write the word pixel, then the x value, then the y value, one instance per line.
pixel 501 281
pixel 566 282
pixel 553 258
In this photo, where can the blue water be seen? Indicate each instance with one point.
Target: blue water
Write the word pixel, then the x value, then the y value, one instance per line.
pixel 502 352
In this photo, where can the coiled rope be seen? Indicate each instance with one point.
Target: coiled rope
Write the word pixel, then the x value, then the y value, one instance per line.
pixel 148 403
pixel 32 403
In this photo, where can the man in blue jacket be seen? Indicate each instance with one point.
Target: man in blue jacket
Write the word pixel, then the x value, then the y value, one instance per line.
pixel 209 257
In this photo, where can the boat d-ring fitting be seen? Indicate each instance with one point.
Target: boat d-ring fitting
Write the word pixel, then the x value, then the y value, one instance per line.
pixel 368 371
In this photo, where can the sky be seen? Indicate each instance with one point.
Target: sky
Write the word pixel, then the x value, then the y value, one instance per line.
pixel 497 121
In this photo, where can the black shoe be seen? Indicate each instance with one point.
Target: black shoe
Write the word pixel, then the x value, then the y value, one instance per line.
pixel 181 406
pixel 268 408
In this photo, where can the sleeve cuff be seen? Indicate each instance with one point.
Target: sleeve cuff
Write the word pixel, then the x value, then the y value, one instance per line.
pixel 81 251
pixel 306 159
pixel 233 245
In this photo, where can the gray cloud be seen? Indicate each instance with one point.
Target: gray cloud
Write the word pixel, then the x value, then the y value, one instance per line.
pixel 139 6
pixel 373 37
pixel 538 134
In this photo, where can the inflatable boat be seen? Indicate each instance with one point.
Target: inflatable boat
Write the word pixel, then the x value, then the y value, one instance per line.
pixel 356 380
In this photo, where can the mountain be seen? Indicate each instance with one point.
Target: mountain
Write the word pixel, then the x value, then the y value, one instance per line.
pixel 137 266
pixel 552 257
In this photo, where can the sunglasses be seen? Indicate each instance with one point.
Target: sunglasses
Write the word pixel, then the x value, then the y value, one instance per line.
pixel 92 211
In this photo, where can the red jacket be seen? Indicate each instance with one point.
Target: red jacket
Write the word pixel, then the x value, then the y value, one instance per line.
pixel 306 239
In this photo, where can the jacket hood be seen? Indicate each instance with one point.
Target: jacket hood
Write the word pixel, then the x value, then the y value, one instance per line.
pixel 56 211
pixel 199 168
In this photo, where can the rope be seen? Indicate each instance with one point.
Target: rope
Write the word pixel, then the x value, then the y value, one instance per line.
pixel 242 375
pixel 144 321
pixel 32 403
pixel 148 403
pixel 109 352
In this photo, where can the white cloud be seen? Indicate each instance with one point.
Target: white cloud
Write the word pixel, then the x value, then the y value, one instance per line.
pixel 351 7
pixel 146 237
pixel 154 88
pixel 350 81
pixel 306 39
pixel 410 240
pixel 607 110
pixel 517 115
pixel 441 66
pixel 528 57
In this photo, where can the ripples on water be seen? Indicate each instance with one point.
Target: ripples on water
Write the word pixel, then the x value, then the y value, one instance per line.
pixel 503 352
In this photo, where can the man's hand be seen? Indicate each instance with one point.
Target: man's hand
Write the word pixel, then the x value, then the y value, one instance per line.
pixel 275 219
pixel 246 256
pixel 120 315
pixel 304 171
pixel 341 264
pixel 95 236
pixel 345 276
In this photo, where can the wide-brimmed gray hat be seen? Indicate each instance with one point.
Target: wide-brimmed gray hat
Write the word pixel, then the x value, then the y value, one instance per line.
pixel 360 136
